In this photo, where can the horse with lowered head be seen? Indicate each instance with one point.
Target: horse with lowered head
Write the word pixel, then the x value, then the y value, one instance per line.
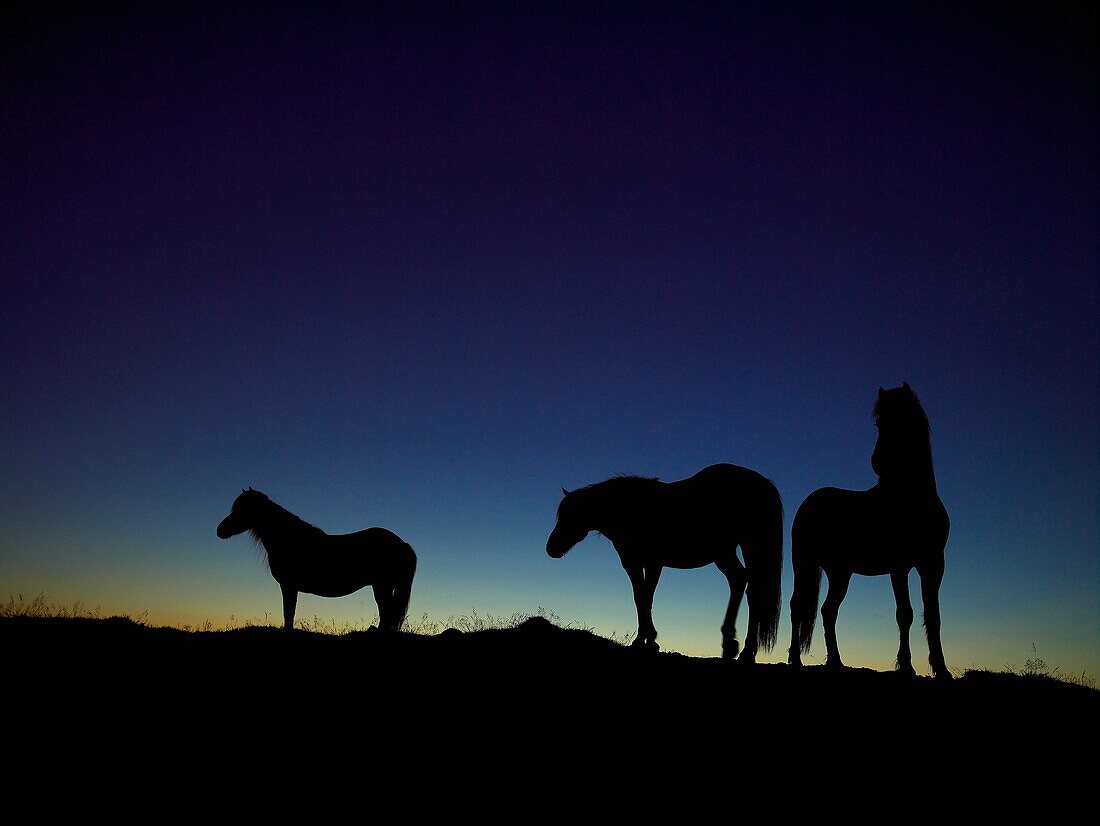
pixel 897 525
pixel 303 558
pixel 688 524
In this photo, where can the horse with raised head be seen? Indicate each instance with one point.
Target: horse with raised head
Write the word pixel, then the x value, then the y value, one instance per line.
pixel 688 524
pixel 897 525
pixel 303 558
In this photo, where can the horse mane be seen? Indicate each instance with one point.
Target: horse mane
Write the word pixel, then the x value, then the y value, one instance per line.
pixel 617 490
pixel 274 515
pixel 620 483
pixel 901 405
pixel 620 480
pixel 899 416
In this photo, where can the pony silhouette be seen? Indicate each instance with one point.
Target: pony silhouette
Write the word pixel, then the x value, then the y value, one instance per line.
pixel 303 558
pixel 688 524
pixel 897 525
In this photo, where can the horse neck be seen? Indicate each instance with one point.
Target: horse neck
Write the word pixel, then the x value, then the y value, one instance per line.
pixel 278 529
pixel 916 474
pixel 615 503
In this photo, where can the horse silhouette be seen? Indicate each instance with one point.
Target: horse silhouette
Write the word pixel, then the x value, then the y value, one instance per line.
pixel 303 558
pixel 897 525
pixel 688 524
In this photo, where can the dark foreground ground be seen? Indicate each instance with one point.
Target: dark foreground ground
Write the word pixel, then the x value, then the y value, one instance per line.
pixel 535 701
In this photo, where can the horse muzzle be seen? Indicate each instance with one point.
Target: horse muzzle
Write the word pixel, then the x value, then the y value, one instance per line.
pixel 557 549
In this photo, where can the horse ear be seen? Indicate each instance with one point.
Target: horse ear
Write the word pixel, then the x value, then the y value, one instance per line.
pixel 250 488
pixel 905 384
pixel 881 392
pixel 564 492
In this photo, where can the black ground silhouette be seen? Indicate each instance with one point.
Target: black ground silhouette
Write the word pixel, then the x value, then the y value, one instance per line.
pixel 517 687
pixel 527 724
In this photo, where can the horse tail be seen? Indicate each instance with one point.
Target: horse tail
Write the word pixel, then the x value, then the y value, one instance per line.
pixel 807 588
pixel 766 570
pixel 403 591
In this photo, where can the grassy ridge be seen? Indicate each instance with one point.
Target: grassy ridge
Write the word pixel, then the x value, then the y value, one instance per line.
pixel 557 711
pixel 488 649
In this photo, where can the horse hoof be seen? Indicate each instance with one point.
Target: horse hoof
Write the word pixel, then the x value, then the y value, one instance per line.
pixel 834 664
pixel 730 650
pixel 906 670
pixel 943 674
pixel 746 658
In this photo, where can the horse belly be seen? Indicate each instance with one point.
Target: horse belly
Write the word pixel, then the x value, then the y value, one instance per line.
pixel 331 591
pixel 688 561
pixel 317 586
pixel 334 581
pixel 871 567
pixel 682 551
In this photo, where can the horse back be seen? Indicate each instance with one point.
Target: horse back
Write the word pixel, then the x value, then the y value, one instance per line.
pixel 698 519
pixel 344 563
pixel 728 489
pixel 381 544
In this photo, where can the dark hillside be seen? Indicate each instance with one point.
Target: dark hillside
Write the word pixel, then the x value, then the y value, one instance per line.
pixel 552 664
pixel 533 689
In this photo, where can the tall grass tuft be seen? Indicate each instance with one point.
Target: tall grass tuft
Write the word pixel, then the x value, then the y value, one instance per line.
pixel 1036 666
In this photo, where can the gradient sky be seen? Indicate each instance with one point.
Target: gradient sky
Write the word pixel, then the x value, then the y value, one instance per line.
pixel 419 265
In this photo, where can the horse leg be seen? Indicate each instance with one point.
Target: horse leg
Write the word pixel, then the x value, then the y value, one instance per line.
pixel 900 581
pixel 644 583
pixel 382 596
pixel 735 575
pixel 804 599
pixel 748 653
pixel 838 588
pixel 290 602
pixel 930 578
pixel 652 576
pixel 794 654
pixel 637 584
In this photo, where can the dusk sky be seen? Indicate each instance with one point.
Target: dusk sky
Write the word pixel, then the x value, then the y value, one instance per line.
pixel 419 265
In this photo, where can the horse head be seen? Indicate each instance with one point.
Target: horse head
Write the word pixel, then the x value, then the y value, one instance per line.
pixel 242 514
pixel 904 434
pixel 570 527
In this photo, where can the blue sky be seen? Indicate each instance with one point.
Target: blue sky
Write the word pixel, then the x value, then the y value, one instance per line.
pixel 420 265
